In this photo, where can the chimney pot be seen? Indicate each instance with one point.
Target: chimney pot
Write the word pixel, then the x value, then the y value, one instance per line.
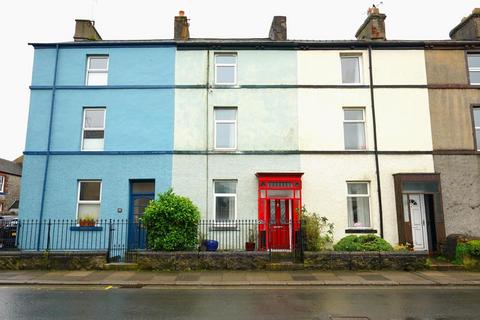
pixel 468 28
pixel 373 28
pixel 180 27
pixel 278 29
pixel 85 31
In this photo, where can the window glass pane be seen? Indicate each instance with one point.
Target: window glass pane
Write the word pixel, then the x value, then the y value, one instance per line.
pixel 143 187
pixel 358 212
pixel 474 60
pixel 88 211
pixel 272 212
pixel 476 116
pixel 93 144
pixel 354 133
pixel 224 208
pixel 478 139
pixel 474 76
pixel 413 187
pixel 225 186
pixel 225 59
pixel 225 75
pixel 225 114
pixel 353 114
pixel 98 63
pixel 97 78
pixel 406 216
pixel 90 190
pixel 225 135
pixel 94 118
pixel 350 70
pixel 357 188
pixel 280 193
pixel 1 183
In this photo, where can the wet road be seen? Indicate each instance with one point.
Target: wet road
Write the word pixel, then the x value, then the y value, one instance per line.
pixel 235 303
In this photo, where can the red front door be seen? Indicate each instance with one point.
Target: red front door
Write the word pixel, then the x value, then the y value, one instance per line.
pixel 279 223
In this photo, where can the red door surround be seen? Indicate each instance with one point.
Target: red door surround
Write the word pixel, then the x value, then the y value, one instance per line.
pixel 279 209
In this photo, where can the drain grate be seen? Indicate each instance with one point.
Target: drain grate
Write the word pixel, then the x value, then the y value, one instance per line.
pixel 303 277
pixel 374 277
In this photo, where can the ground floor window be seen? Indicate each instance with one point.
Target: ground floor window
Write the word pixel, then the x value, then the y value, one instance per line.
pixel 225 199
pixel 89 199
pixel 358 202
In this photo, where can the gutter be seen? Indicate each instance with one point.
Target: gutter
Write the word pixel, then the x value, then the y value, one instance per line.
pixel 375 144
pixel 45 172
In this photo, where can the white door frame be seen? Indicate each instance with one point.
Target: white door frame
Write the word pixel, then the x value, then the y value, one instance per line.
pixel 420 197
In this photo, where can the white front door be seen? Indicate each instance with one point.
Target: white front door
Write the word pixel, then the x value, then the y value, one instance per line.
pixel 419 223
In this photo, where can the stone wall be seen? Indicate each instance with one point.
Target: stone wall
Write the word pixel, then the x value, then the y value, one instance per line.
pixel 183 261
pixel 17 260
pixel 326 260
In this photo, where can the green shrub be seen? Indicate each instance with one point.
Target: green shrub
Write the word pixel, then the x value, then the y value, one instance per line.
pixel 317 231
pixel 368 242
pixel 171 222
pixel 474 247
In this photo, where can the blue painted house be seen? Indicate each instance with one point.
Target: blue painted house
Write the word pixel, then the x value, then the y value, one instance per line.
pixel 100 131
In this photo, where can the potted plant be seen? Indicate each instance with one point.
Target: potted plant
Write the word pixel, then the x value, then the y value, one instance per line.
pixel 87 221
pixel 250 244
pixel 211 245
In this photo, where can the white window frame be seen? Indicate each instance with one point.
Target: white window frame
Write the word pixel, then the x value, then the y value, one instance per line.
pixel 2 184
pixel 88 71
pixel 472 69
pixel 79 202
pixel 93 129
pixel 476 127
pixel 360 68
pixel 361 196
pixel 235 65
pixel 364 121
pixel 215 195
pixel 215 122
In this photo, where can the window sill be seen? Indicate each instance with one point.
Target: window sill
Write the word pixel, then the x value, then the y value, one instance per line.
pixel 360 231
pixel 78 228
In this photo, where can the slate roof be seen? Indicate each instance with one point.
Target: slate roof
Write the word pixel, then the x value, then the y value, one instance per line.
pixel 11 167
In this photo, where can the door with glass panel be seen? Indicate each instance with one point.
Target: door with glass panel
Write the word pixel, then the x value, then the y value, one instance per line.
pixel 141 193
pixel 279 223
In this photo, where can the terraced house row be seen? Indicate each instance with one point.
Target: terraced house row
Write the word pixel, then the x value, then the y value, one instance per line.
pixel 380 136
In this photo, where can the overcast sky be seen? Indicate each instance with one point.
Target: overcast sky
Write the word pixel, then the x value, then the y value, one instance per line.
pixel 23 21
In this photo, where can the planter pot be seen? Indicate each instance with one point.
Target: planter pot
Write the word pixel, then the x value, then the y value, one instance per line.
pixel 250 246
pixel 212 245
pixel 86 223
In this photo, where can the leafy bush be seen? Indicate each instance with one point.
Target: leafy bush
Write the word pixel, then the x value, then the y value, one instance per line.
pixel 171 222
pixel 474 247
pixel 362 243
pixel 318 232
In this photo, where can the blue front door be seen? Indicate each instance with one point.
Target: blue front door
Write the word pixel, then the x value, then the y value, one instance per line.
pixel 141 192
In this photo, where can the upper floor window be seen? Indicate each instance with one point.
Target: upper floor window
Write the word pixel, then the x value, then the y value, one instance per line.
pixel 474 67
pixel 89 199
pixel 2 184
pixel 225 128
pixel 350 69
pixel 97 71
pixel 354 128
pixel 225 198
pixel 358 203
pixel 93 129
pixel 476 123
pixel 226 68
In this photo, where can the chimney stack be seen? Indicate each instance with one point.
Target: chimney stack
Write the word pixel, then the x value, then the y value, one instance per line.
pixel 468 28
pixel 278 29
pixel 181 25
pixel 373 28
pixel 85 31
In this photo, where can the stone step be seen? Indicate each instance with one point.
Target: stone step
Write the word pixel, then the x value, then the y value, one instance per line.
pixel 284 266
pixel 446 267
pixel 121 266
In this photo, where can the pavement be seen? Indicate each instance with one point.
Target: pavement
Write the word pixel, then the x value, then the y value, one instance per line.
pixel 138 279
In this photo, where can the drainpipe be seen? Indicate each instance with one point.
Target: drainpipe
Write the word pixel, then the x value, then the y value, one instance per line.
pixel 377 166
pixel 49 139
pixel 206 134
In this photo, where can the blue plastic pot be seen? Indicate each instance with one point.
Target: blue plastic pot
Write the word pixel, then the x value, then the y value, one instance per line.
pixel 212 245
